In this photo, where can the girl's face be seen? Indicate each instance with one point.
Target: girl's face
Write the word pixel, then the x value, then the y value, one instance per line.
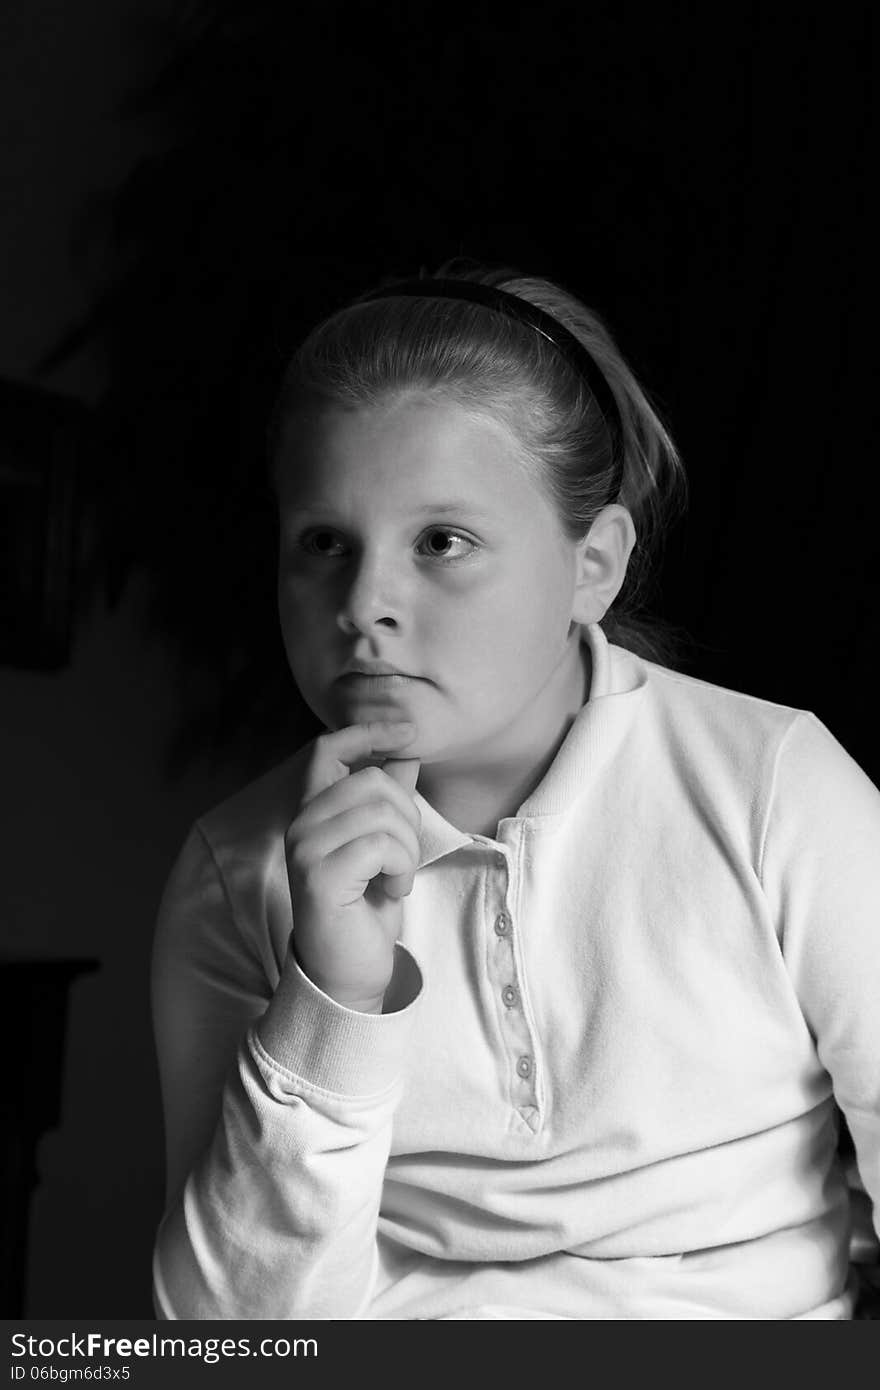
pixel 411 534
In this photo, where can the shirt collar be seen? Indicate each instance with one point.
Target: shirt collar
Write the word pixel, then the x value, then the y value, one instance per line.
pixel 617 684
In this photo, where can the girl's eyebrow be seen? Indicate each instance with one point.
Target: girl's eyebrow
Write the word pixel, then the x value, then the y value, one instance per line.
pixel 458 504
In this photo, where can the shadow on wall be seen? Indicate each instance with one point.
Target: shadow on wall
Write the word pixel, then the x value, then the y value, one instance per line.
pixel 94 830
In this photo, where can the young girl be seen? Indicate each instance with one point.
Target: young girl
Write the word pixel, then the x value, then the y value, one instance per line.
pixel 530 987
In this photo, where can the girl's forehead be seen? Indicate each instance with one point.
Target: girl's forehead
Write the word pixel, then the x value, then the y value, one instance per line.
pixel 410 416
pixel 407 445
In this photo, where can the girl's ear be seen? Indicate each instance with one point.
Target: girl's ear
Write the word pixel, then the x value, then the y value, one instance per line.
pixel 601 559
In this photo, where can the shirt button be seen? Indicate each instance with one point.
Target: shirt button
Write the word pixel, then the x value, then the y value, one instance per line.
pixel 524 1066
pixel 500 861
pixel 510 995
pixel 502 924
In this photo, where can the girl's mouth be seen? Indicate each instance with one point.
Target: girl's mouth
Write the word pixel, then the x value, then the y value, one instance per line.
pixel 358 680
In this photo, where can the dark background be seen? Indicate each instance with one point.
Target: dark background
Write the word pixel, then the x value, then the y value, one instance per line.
pixel 187 186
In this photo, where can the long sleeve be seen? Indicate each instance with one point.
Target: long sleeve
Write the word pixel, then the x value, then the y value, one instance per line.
pixel 278 1110
pixel 821 873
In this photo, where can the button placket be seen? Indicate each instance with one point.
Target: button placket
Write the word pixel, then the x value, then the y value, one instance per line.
pixel 515 1031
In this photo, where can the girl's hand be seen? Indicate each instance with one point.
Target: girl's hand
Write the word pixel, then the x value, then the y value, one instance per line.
pixel 352 853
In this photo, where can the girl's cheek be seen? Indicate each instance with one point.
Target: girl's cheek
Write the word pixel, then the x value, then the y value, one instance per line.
pixel 295 593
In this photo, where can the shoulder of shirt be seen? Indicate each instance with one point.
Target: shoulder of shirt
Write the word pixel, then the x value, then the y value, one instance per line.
pixel 746 728
pixel 768 754
pixel 676 687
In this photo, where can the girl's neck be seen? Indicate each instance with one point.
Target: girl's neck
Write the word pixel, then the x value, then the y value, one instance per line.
pixel 475 795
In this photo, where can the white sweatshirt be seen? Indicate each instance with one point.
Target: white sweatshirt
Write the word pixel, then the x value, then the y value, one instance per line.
pixel 612 1094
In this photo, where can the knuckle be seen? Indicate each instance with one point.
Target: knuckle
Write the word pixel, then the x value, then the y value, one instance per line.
pixel 316 751
pixel 295 830
pixel 322 748
pixel 299 857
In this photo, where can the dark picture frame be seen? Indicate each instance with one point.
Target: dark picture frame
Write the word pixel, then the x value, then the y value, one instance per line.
pixel 41 443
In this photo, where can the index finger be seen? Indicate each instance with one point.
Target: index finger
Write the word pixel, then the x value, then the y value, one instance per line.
pixel 334 754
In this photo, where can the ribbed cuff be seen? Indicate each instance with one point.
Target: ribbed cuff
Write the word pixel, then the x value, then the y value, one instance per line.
pixel 332 1047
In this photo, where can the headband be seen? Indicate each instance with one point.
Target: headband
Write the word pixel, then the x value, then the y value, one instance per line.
pixel 523 311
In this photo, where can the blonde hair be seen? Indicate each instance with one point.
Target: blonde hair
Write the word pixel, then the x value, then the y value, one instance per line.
pixel 462 351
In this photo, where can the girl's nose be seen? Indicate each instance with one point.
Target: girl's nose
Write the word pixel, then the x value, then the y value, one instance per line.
pixel 370 600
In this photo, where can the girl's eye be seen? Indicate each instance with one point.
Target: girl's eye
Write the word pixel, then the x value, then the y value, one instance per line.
pixel 439 541
pixel 319 543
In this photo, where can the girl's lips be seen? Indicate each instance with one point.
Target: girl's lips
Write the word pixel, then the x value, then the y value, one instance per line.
pixel 383 682
pixel 357 667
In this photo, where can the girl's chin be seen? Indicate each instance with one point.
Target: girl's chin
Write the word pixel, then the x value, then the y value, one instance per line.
pixel 364 707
